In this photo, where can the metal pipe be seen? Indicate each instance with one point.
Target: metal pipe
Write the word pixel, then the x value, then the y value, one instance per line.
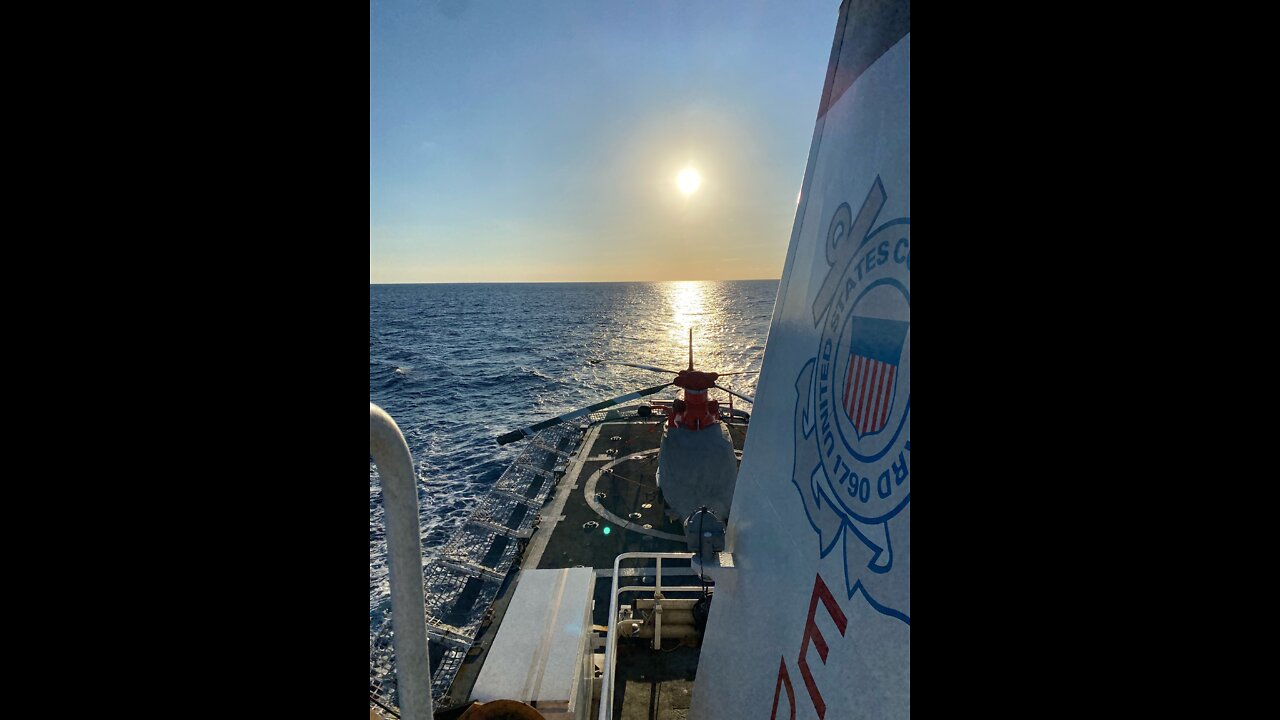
pixel 642 588
pixel 657 609
pixel 611 643
pixel 404 562
pixel 657 626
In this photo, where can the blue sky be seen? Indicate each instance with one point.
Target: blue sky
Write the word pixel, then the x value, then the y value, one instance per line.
pixel 540 140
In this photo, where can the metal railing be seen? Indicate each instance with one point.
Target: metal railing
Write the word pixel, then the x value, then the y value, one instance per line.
pixel 611 643
pixel 404 553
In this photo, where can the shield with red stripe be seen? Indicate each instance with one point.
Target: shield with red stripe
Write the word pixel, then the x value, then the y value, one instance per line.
pixel 871 375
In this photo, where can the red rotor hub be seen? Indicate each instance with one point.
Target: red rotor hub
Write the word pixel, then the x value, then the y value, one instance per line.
pixel 698 412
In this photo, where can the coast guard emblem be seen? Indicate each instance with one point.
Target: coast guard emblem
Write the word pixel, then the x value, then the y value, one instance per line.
pixel 853 401
pixel 874 352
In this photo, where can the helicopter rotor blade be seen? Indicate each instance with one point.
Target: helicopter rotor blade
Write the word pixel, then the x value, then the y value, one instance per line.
pixel 744 397
pixel 522 433
pixel 634 365
pixel 740 372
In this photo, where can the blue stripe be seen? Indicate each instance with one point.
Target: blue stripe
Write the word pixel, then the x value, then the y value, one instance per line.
pixel 879 339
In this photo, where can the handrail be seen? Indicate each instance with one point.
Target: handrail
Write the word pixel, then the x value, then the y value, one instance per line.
pixel 611 642
pixel 404 555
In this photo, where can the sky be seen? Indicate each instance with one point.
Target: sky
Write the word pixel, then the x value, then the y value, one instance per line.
pixel 540 140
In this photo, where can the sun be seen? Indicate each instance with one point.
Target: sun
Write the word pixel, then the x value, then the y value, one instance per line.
pixel 688 180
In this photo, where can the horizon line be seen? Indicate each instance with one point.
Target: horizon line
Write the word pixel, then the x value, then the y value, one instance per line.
pixel 561 282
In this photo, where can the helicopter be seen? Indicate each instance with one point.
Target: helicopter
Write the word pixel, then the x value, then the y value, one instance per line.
pixel 697 468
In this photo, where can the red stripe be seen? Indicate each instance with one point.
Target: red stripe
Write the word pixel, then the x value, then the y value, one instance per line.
pixel 876 409
pixel 868 367
pixel 886 383
pixel 857 383
pixel 783 676
pixel 867 403
pixel 872 367
pixel 873 402
pixel 884 412
pixel 853 394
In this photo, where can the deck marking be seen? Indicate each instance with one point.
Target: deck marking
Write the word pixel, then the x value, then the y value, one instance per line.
pixel 590 494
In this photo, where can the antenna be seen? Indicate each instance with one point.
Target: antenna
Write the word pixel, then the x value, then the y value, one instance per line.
pixel 690 347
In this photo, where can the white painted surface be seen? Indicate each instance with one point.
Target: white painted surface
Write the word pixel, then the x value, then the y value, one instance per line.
pixel 404 550
pixel 795 525
pixel 538 654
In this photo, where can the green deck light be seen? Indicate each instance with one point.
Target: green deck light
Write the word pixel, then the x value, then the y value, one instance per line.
pixel 607 529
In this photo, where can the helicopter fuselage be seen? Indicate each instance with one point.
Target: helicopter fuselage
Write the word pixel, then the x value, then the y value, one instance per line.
pixel 697 469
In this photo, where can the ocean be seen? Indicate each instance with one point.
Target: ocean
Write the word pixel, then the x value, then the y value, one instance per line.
pixel 458 365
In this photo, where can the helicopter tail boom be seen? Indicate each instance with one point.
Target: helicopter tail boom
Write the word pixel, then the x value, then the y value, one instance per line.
pixel 522 433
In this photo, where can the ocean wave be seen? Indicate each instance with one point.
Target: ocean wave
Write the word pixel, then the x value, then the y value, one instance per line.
pixel 456 368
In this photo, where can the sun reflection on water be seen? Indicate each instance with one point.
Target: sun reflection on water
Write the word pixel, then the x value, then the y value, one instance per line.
pixel 649 323
pixel 688 303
